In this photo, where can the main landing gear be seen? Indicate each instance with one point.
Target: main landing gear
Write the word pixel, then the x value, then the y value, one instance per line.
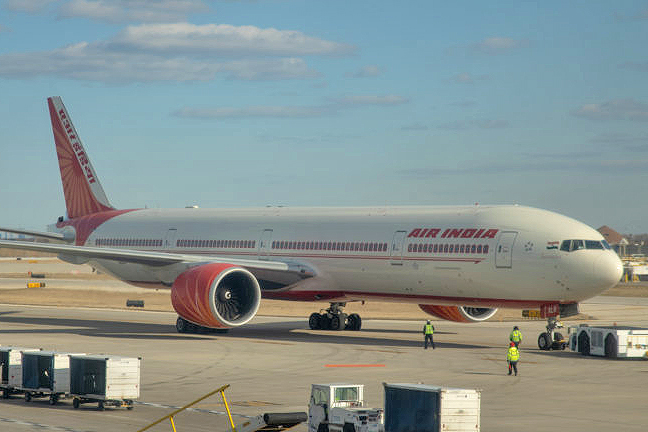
pixel 184 326
pixel 552 340
pixel 334 319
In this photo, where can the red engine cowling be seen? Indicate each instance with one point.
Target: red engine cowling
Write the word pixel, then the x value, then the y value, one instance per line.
pixel 459 313
pixel 216 295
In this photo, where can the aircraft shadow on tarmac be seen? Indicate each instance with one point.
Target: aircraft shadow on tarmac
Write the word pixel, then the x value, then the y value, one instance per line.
pixel 289 331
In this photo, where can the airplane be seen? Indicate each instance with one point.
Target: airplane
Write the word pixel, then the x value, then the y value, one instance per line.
pixel 458 263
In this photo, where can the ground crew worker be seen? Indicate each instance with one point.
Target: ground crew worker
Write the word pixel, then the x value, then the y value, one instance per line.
pixel 516 336
pixel 512 357
pixel 428 331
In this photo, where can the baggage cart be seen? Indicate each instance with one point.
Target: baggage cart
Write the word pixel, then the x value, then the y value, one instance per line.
pixel 425 408
pixel 106 380
pixel 45 374
pixel 11 365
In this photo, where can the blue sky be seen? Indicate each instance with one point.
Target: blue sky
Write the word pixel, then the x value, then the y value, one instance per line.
pixel 304 103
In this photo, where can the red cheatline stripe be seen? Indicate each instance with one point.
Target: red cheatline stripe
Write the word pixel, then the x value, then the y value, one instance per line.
pixel 354 365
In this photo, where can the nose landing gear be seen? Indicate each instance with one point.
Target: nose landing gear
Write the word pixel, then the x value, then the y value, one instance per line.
pixel 551 339
pixel 334 319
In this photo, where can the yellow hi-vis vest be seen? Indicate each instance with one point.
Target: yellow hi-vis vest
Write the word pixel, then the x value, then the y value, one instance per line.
pixel 513 354
pixel 516 336
pixel 429 329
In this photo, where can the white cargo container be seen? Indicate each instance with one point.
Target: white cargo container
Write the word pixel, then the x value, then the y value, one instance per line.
pixel 11 365
pixel 106 380
pixel 45 373
pixel 613 342
pixel 425 408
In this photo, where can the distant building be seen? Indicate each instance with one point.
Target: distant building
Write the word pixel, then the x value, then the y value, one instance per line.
pixel 616 240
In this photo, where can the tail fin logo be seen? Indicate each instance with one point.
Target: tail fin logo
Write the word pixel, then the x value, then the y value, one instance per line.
pixel 81 187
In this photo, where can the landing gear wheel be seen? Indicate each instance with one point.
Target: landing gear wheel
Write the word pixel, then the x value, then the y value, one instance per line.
pixel 544 341
pixel 325 322
pixel 53 399
pixel 356 320
pixel 348 427
pixel 584 343
pixel 75 403
pixel 611 346
pixel 27 397
pixel 314 321
pixel 336 323
pixel 182 325
pixel 323 427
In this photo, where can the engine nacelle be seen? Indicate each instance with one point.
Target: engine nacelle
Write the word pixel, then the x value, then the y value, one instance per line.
pixel 459 313
pixel 216 295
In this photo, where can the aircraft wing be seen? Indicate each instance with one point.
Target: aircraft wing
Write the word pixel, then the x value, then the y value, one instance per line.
pixel 156 259
pixel 47 235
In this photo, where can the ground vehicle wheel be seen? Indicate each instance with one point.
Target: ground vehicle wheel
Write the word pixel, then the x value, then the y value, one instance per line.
pixel 76 403
pixel 314 321
pixel 129 404
pixel 27 397
pixel 544 341
pixel 348 427
pixel 100 406
pixel 611 346
pixel 182 325
pixel 5 393
pixel 583 343
pixel 336 323
pixel 53 399
pixel 323 427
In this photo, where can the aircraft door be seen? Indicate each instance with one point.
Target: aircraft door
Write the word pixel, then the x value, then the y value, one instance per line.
pixel 504 251
pixel 169 240
pixel 264 244
pixel 396 252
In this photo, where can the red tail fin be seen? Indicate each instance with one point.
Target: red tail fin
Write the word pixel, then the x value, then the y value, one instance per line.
pixel 83 192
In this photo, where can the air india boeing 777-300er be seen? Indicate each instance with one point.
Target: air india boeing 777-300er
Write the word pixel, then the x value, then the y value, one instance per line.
pixel 458 263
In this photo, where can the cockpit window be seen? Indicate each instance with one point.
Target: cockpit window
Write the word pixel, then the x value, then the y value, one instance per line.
pixel 593 244
pixel 573 245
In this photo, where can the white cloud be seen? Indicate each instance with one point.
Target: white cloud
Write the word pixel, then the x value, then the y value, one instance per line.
pixel 222 39
pixel 371 100
pixel 497 45
pixel 475 123
pixel 617 109
pixel 366 72
pixel 28 6
pixel 346 102
pixel 177 52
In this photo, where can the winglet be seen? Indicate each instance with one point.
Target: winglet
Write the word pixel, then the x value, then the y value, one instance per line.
pixel 83 192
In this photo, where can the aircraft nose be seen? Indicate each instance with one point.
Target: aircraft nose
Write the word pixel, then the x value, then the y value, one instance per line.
pixel 608 270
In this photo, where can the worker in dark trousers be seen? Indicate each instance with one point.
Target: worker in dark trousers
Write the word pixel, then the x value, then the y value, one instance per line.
pixel 428 331
pixel 516 336
pixel 512 357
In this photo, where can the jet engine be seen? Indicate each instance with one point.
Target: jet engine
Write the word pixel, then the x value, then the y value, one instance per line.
pixel 217 295
pixel 459 313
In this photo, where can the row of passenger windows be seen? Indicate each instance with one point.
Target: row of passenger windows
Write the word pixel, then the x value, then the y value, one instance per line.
pixel 572 245
pixel 128 242
pixel 229 244
pixel 448 248
pixel 326 246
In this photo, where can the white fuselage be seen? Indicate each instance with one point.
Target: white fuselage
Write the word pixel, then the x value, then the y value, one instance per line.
pixel 490 256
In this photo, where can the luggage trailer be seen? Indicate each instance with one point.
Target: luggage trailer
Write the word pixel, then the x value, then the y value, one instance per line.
pixel 11 365
pixel 45 374
pixel 106 380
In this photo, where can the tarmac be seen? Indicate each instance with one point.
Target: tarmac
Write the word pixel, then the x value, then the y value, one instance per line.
pixel 271 362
